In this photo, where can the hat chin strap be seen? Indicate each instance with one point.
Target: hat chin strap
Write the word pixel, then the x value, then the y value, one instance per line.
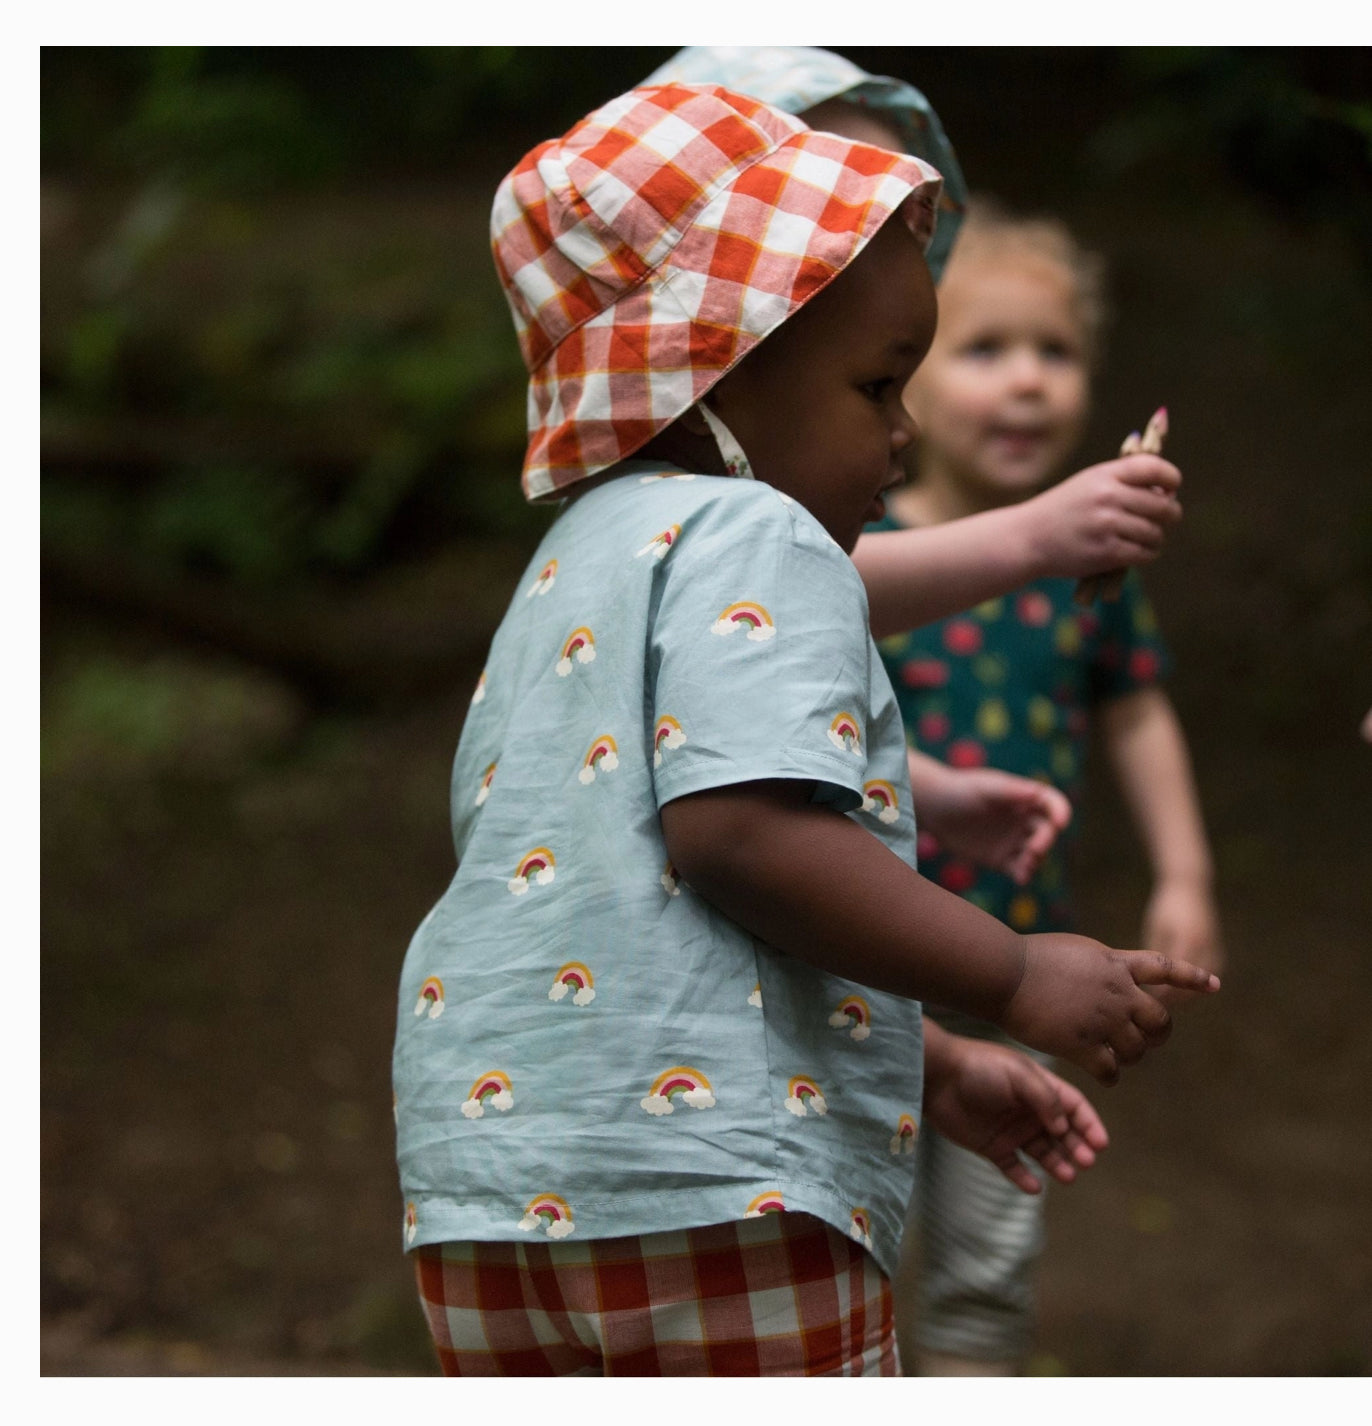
pixel 735 462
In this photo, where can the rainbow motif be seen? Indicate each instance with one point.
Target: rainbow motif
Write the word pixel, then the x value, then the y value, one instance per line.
pixel 907 1131
pixel 544 582
pixel 666 734
pixel 601 756
pixel 860 1227
pixel 680 1082
pixel 770 1202
pixel 552 1212
pixel 538 865
pixel 660 546
pixel 576 978
pixel 880 797
pixel 669 880
pixel 853 1011
pixel 411 1222
pixel 755 996
pixel 430 998
pixel 845 734
pixel 492 1088
pixel 580 646
pixel 673 475
pixel 745 615
pixel 484 791
pixel 479 696
pixel 803 1094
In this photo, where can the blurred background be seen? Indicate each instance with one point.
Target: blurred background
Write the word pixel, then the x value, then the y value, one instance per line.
pixel 282 421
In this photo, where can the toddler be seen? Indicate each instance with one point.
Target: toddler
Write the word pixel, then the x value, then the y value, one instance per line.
pixel 659 1049
pixel 1000 403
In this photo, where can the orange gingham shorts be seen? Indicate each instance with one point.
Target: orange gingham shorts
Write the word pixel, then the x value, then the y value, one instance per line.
pixel 780 1295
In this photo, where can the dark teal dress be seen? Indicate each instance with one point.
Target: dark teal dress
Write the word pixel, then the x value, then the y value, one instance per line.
pixel 1012 684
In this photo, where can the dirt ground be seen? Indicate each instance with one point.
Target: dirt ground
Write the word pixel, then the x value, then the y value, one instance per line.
pixel 223 925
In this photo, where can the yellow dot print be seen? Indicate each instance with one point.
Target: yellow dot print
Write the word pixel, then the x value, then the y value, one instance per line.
pixel 990 668
pixel 1145 621
pixel 993 720
pixel 1024 911
pixel 990 609
pixel 893 645
pixel 1067 636
pixel 1043 716
pixel 1064 761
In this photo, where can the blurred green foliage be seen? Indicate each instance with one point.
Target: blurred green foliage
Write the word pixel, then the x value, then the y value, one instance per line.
pixel 274 349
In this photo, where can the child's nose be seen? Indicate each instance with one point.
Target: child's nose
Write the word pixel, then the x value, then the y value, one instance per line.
pixel 1026 370
pixel 906 429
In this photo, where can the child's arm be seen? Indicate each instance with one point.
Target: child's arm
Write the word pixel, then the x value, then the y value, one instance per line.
pixel 989 817
pixel 1000 1104
pixel 1101 518
pixel 811 882
pixel 1148 749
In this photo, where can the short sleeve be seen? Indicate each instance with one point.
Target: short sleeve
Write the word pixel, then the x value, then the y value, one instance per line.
pixel 760 660
pixel 1128 652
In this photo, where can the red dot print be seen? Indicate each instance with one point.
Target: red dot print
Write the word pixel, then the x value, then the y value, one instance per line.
pixel 967 752
pixel 962 636
pixel 1034 608
pixel 924 673
pixel 926 846
pixel 1088 623
pixel 957 877
pixel 933 727
pixel 1143 665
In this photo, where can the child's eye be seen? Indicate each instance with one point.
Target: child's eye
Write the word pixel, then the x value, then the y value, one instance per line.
pixel 983 349
pixel 877 390
pixel 1057 351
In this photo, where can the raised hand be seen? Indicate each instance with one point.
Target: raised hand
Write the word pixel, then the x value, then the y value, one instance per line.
pixel 1087 1003
pixel 1106 516
pixel 983 815
pixel 1000 1104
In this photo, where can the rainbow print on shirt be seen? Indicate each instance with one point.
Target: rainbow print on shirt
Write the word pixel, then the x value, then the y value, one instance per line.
pixel 860 1227
pixel 755 996
pixel 491 1089
pixel 845 734
pixel 601 756
pixel 660 546
pixel 745 615
pixel 853 1011
pixel 484 790
pixel 411 1222
pixel 667 733
pixel 880 797
pixel 680 1082
pixel 803 1094
pixel 907 1131
pixel 538 866
pixel 669 880
pixel 770 1202
pixel 479 695
pixel 552 1212
pixel 580 646
pixel 430 998
pixel 544 582
pixel 575 978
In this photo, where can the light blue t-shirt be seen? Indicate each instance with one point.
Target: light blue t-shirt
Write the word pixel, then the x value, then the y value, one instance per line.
pixel 583 1044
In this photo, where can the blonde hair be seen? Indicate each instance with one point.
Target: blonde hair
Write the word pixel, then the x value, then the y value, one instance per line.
pixel 990 229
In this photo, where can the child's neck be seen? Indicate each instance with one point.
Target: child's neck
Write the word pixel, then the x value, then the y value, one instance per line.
pixel 937 496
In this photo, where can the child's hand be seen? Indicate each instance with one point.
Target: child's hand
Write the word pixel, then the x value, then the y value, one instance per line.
pixel 1000 1104
pixel 1105 516
pixel 993 818
pixel 1181 921
pixel 1083 1001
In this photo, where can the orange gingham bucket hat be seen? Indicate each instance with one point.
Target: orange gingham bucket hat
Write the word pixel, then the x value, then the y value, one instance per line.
pixel 655 244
